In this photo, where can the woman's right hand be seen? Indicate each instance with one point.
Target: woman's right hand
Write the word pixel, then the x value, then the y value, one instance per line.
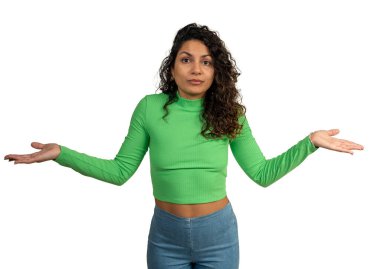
pixel 47 152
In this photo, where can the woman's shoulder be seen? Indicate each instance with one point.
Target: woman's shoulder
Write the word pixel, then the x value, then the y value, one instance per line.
pixel 156 99
pixel 156 96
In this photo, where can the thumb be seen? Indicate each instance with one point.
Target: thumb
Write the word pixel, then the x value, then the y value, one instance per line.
pixel 37 145
pixel 333 132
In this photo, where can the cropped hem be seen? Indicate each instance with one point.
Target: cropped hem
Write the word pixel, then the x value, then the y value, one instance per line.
pixel 182 201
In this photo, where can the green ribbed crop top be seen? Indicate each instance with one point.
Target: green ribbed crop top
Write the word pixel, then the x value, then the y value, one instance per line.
pixel 185 167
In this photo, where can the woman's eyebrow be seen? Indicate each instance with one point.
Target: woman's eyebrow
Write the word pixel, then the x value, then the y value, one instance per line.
pixel 188 53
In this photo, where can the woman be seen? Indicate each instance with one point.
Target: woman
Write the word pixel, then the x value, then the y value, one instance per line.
pixel 187 128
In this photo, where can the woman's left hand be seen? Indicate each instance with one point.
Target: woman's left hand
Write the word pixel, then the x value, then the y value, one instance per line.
pixel 325 139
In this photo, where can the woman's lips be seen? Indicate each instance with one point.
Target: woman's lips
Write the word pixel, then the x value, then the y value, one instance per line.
pixel 195 81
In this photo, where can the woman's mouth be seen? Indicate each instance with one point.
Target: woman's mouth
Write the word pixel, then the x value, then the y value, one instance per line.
pixel 195 81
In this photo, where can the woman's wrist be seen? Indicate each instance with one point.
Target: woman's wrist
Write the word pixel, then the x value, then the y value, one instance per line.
pixel 58 150
pixel 311 138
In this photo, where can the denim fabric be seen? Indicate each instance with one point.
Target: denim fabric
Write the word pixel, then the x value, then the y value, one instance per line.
pixel 209 241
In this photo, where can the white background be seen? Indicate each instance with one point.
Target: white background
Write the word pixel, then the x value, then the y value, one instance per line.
pixel 71 72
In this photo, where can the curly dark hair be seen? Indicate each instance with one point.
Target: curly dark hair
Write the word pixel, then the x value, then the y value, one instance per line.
pixel 222 107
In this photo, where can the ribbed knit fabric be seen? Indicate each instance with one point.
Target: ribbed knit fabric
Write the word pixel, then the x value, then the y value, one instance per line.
pixel 185 167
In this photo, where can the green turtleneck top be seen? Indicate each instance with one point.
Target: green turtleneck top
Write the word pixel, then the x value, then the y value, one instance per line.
pixel 185 167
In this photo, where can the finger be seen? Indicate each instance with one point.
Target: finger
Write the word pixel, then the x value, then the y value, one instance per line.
pixel 25 160
pixel 37 145
pixel 20 162
pixel 18 158
pixel 349 145
pixel 348 148
pixel 333 132
pixel 11 156
pixel 353 144
pixel 341 149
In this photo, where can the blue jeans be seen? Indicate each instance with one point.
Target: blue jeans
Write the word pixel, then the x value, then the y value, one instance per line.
pixel 209 241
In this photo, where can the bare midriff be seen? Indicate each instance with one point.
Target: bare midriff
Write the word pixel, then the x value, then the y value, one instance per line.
pixel 192 210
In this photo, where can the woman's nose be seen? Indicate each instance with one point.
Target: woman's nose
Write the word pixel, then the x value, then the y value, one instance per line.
pixel 196 68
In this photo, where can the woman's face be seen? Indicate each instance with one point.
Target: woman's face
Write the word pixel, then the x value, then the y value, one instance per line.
pixel 193 69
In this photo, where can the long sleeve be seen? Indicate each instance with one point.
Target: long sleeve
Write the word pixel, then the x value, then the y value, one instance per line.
pixel 127 160
pixel 262 171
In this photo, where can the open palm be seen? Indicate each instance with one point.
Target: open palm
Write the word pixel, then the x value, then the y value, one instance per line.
pixel 47 152
pixel 325 139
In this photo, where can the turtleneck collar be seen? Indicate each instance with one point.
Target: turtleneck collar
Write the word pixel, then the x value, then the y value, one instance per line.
pixel 190 104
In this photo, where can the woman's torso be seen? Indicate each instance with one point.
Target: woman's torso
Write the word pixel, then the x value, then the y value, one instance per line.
pixel 192 210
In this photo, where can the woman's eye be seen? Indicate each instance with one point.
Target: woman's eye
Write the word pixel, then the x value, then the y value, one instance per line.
pixel 206 62
pixel 185 60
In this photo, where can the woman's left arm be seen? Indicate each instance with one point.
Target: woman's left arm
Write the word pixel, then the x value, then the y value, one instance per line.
pixel 267 171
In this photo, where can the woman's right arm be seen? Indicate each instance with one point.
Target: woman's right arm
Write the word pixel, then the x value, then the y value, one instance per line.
pixel 116 171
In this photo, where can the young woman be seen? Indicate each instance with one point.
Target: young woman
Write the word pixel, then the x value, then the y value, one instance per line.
pixel 188 128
